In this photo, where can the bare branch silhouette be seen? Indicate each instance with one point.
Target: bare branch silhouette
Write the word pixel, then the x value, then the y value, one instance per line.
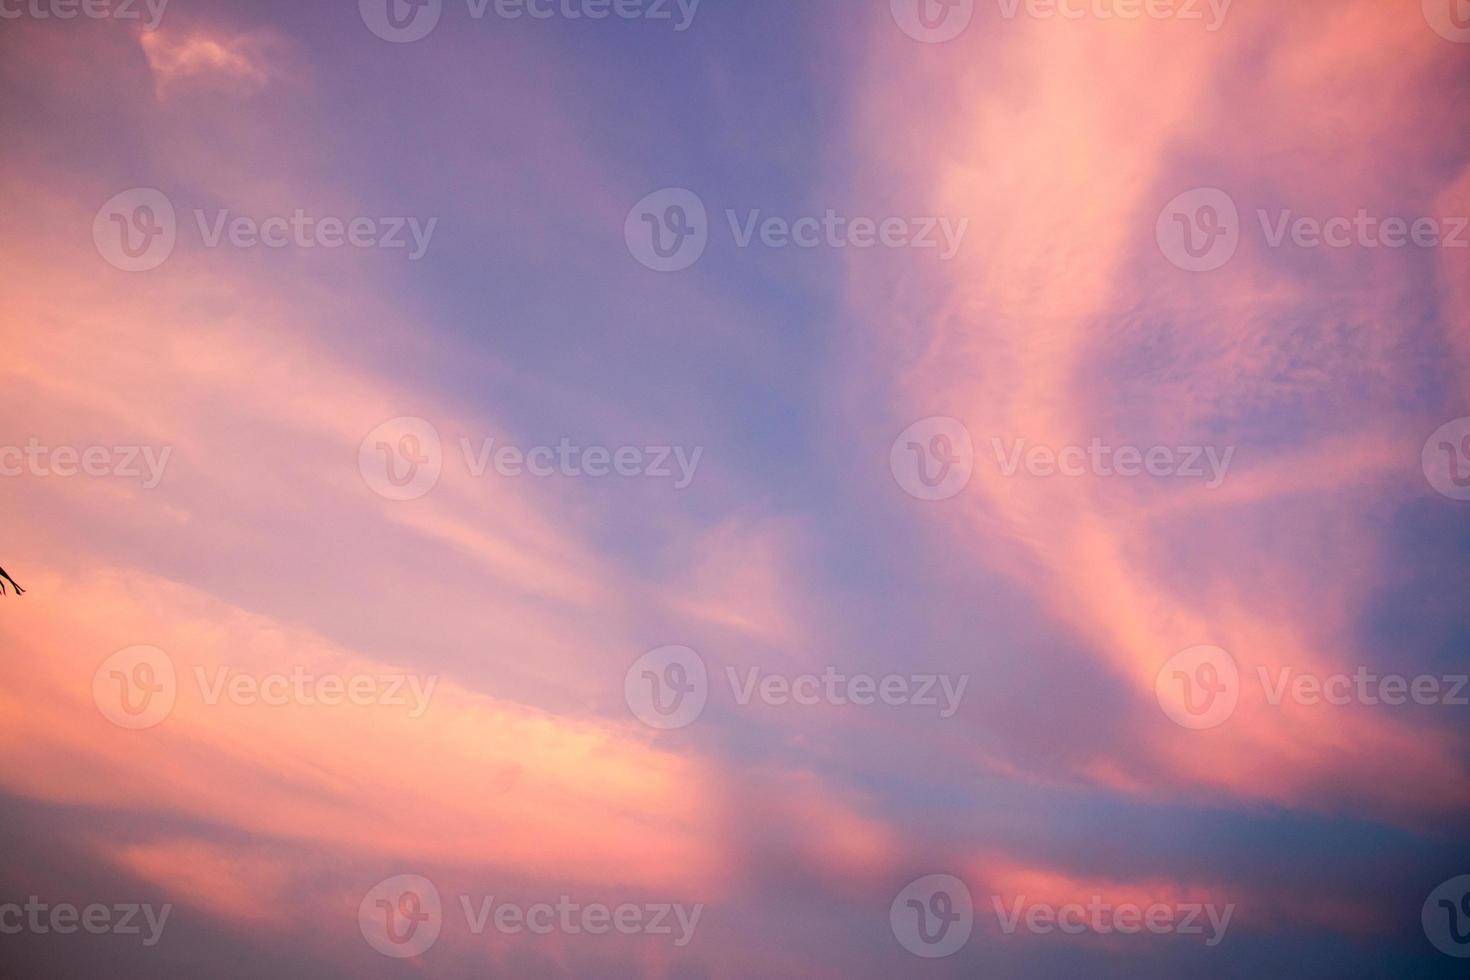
pixel 6 578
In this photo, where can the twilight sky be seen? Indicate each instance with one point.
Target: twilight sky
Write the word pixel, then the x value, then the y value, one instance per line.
pixel 840 489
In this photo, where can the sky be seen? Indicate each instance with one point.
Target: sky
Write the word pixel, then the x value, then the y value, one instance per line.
pixel 631 488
